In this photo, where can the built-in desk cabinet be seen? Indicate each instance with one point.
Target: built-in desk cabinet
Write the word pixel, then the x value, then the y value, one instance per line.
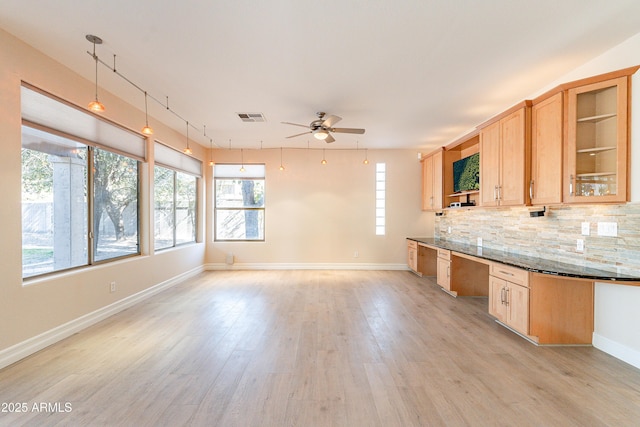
pixel 412 255
pixel 509 296
pixel 443 277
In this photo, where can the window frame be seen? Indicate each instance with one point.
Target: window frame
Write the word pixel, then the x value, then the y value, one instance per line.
pixel 239 176
pixel 90 201
pixel 175 173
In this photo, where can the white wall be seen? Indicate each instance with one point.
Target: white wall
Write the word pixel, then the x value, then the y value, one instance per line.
pixel 318 216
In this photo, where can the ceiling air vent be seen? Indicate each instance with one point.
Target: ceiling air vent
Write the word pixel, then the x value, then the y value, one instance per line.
pixel 251 117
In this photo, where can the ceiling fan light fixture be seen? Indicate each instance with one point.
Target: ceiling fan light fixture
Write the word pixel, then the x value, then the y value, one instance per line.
pixel 321 134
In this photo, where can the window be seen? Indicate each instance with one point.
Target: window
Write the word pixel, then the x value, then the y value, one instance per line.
pixel 381 172
pixel 175 208
pixel 239 202
pixel 58 232
pixel 80 186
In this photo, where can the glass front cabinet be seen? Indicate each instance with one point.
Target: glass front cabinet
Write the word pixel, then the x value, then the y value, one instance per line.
pixel 597 142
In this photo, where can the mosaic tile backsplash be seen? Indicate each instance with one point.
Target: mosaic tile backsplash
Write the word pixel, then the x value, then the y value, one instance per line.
pixel 553 236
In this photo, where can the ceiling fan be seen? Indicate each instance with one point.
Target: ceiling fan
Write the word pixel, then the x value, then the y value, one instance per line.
pixel 323 126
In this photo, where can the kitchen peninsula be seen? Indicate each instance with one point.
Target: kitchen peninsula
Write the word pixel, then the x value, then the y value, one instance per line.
pixel 544 301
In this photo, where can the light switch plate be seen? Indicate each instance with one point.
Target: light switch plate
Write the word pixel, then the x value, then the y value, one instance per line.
pixel 580 245
pixel 480 241
pixel 585 229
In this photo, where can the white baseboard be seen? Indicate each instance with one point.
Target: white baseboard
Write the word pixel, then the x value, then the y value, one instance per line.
pixel 617 350
pixel 32 345
pixel 304 266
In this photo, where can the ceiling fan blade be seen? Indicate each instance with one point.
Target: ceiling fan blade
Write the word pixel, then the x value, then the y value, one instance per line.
pixel 331 120
pixel 294 124
pixel 298 134
pixel 347 130
pixel 329 139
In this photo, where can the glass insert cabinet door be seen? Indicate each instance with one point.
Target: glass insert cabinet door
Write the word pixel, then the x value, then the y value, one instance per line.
pixel 597 142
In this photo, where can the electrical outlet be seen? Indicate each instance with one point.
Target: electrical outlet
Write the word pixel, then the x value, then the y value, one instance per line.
pixel 580 245
pixel 449 230
pixel 479 241
pixel 113 287
pixel 585 229
pixel 356 254
pixel 608 229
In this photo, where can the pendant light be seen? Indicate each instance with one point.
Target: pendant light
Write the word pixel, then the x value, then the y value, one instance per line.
pixel 281 167
pixel 146 129
pixel 187 150
pixel 95 105
pixel 242 169
pixel 324 161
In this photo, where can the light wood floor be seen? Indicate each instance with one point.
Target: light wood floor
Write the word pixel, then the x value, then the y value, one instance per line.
pixel 316 348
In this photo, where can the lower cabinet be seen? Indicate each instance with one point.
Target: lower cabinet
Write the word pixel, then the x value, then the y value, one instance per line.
pixel 443 278
pixel 509 296
pixel 412 255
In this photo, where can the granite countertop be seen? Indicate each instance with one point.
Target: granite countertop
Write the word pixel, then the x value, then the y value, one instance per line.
pixel 536 265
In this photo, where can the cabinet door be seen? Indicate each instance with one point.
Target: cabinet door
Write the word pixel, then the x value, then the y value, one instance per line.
pixel 518 308
pixel 427 183
pixel 497 298
pixel 511 190
pixel 545 186
pixel 438 196
pixel 597 142
pixel 490 164
pixel 412 255
pixel 444 273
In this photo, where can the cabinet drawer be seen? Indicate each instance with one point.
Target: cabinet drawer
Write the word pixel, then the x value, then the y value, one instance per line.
pixel 412 244
pixel 510 274
pixel 444 254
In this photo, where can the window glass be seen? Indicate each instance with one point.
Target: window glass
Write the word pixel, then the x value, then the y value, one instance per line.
pixel 239 202
pixel 54 203
pixel 115 205
pixel 175 208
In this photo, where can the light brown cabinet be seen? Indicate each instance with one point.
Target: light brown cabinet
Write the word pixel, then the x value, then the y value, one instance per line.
pixel 412 255
pixel 597 142
pixel 504 147
pixel 545 186
pixel 509 296
pixel 432 182
pixel 443 276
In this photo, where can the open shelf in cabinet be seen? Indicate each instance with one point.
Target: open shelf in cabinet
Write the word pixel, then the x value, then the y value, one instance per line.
pixel 459 149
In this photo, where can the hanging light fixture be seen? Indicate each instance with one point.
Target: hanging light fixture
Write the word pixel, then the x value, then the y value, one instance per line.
pixel 146 129
pixel 366 159
pixel 281 167
pixel 242 169
pixel 188 149
pixel 324 161
pixel 95 105
pixel 321 134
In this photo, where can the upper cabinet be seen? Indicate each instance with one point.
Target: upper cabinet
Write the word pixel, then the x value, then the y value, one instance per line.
pixel 504 150
pixel 545 186
pixel 597 142
pixel 432 185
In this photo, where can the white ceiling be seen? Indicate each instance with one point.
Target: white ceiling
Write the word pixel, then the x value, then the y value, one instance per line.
pixel 414 73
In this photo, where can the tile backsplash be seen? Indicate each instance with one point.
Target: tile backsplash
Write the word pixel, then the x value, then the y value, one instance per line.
pixel 553 236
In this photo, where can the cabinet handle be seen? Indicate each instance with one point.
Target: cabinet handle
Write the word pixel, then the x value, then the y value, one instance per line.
pixel 431 201
pixel 506 272
pixel 499 192
pixel 531 189
pixel 495 192
pixel 448 271
pixel 506 298
pixel 501 295
pixel 571 185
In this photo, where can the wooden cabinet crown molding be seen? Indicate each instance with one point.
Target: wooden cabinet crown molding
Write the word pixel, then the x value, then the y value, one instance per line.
pixel 502 115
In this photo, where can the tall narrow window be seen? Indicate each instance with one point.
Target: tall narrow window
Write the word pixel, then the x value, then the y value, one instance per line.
pixel 381 173
pixel 239 202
